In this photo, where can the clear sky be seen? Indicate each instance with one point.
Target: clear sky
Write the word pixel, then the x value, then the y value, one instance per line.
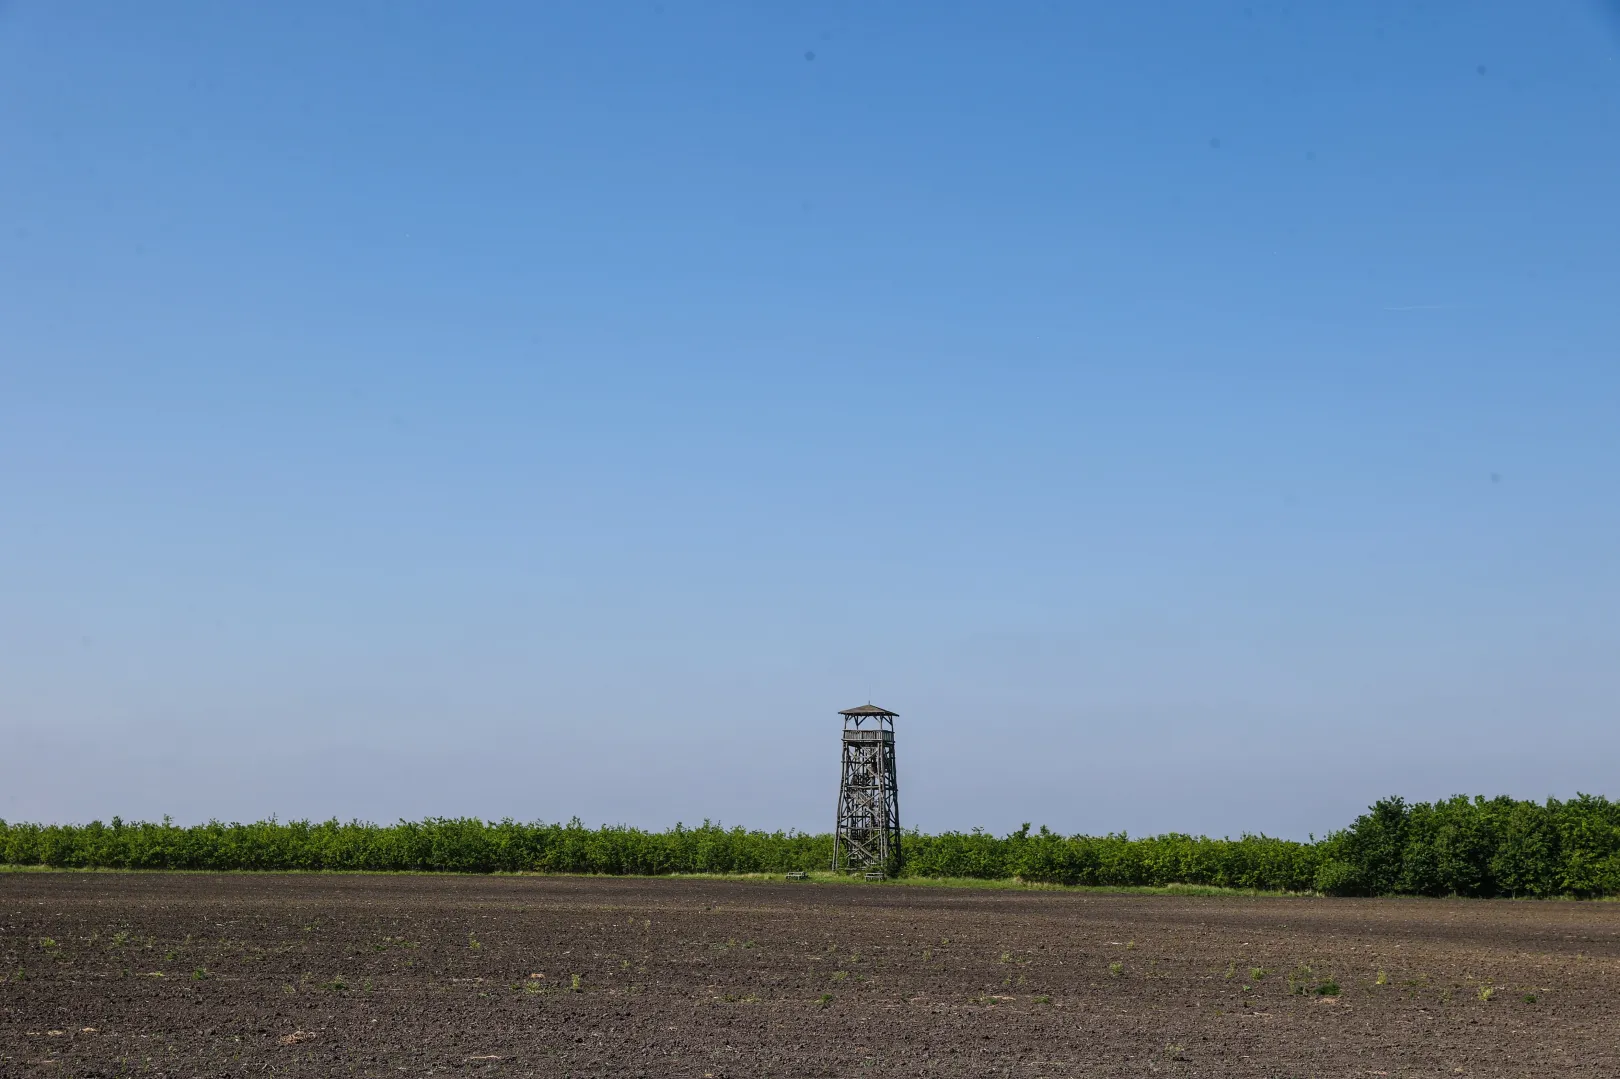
pixel 1188 416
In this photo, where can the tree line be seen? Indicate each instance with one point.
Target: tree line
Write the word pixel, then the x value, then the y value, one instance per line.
pixel 1458 846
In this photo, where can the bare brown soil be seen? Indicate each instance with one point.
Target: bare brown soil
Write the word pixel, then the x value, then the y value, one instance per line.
pixel 184 975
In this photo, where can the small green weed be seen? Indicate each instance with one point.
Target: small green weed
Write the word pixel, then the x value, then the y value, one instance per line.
pixel 824 1000
pixel 1329 988
pixel 1116 969
pixel 200 974
pixel 1529 998
pixel 1486 992
pixel 1043 999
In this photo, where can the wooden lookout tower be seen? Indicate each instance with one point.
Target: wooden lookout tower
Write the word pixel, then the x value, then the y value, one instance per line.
pixel 868 832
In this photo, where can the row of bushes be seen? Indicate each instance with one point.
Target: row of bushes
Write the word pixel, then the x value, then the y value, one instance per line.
pixel 1476 847
pixel 1045 856
pixel 1462 846
pixel 475 846
pixel 452 845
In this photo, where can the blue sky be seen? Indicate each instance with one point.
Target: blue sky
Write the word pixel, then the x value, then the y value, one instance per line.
pixel 1195 416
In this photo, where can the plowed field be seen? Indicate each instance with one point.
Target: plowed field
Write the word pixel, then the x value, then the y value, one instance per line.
pixel 191 975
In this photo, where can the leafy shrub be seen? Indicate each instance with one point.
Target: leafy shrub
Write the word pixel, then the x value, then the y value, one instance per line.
pixel 1477 847
pixel 1337 878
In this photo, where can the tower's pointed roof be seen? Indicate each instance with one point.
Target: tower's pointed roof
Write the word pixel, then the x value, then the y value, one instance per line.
pixel 868 709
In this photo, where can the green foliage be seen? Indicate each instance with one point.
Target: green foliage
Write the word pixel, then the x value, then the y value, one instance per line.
pixel 1250 862
pixel 1477 847
pixel 434 845
pixel 1459 846
pixel 1337 877
pixel 1365 859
